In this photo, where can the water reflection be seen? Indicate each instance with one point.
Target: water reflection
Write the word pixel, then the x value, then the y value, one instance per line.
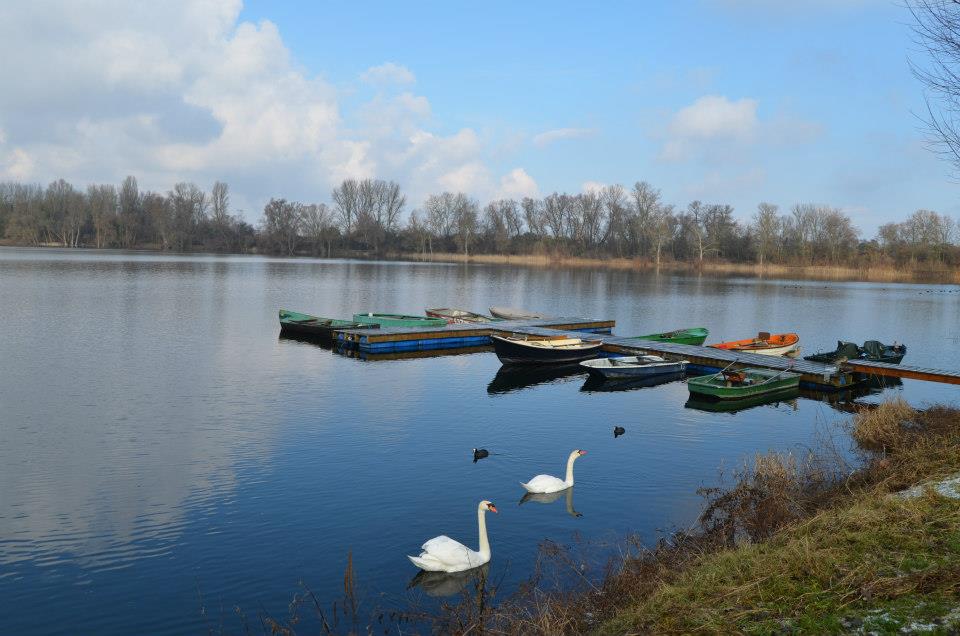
pixel 788 398
pixel 550 497
pixel 600 385
pixel 519 377
pixel 351 352
pixel 438 584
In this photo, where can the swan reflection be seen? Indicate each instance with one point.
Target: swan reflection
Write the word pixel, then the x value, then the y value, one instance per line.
pixel 437 584
pixel 550 497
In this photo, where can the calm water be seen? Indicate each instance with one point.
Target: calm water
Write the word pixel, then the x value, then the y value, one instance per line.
pixel 159 443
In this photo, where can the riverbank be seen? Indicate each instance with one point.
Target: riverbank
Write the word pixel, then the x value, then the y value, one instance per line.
pixel 866 273
pixel 880 273
pixel 797 545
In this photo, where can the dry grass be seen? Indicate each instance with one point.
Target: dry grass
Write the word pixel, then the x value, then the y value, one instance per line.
pixel 884 428
pixel 867 272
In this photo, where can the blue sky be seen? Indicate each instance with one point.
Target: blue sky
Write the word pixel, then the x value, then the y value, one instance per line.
pixel 735 101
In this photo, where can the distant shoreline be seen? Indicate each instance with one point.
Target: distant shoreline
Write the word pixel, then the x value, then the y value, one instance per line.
pixel 867 273
pixel 877 273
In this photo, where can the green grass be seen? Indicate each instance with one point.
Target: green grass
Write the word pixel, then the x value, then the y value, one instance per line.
pixel 879 553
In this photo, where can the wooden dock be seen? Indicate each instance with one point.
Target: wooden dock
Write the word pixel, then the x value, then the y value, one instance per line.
pixel 394 342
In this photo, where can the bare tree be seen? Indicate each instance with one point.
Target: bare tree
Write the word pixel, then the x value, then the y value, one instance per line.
pixel 103 203
pixel 282 222
pixel 318 226
pixel 765 229
pixel 346 204
pixel 936 30
pixel 130 212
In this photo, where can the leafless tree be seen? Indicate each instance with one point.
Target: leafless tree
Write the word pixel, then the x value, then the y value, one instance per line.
pixel 936 29
pixel 103 203
pixel 766 224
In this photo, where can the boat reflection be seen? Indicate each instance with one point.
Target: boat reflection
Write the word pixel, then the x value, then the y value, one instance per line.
pixel 595 384
pixel 733 406
pixel 550 497
pixel 323 343
pixel 437 584
pixel 352 352
pixel 516 377
pixel 846 401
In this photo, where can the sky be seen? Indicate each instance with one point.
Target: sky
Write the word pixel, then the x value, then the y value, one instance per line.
pixel 725 101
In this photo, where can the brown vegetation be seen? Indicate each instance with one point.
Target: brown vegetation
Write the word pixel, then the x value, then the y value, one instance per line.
pixel 866 272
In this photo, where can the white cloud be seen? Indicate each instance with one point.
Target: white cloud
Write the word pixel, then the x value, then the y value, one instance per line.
pixel 548 137
pixel 592 186
pixel 517 184
pixel 389 73
pixel 715 125
pixel 714 116
pixel 187 91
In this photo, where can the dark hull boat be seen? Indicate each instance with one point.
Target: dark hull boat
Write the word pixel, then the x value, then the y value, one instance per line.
pixel 296 324
pixel 544 350
pixel 872 350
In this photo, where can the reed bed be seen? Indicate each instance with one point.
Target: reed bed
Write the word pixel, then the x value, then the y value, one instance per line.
pixel 868 272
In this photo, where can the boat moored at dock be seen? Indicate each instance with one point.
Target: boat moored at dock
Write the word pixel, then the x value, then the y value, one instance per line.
pixel 737 384
pixel 512 313
pixel 459 316
pixel 632 366
pixel 544 350
pixel 398 320
pixel 691 336
pixel 296 323
pixel 765 343
pixel 872 350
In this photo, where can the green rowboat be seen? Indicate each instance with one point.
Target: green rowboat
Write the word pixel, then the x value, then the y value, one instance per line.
pixel 693 336
pixel 736 384
pixel 294 322
pixel 398 320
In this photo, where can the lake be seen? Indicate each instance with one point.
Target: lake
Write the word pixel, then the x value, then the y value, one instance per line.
pixel 166 457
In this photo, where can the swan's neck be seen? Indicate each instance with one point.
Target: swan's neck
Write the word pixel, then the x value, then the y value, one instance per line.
pixel 484 542
pixel 569 479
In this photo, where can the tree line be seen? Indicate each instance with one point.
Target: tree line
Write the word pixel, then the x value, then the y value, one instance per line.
pixel 367 217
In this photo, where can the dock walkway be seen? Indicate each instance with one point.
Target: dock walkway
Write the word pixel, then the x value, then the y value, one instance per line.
pixel 817 375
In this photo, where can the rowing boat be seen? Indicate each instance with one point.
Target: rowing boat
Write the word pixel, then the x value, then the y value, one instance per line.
pixel 767 344
pixel 692 336
pixel 736 384
pixel 398 320
pixel 511 313
pixel 632 366
pixel 515 350
pixel 453 316
pixel 293 322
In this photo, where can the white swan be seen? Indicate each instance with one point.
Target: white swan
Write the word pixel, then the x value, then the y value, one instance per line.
pixel 548 483
pixel 443 554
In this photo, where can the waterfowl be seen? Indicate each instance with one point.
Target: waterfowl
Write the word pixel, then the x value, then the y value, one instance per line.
pixel 443 554
pixel 618 431
pixel 479 453
pixel 548 483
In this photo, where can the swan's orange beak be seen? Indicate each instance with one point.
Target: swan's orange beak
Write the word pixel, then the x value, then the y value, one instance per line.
pixel 491 508
pixel 583 452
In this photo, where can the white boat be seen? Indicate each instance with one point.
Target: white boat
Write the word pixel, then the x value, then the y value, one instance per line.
pixel 511 313
pixel 633 366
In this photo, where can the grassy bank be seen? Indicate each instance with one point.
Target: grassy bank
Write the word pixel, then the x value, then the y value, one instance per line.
pixel 868 272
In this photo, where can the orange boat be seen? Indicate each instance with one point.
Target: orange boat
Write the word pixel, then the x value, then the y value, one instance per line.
pixel 767 344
